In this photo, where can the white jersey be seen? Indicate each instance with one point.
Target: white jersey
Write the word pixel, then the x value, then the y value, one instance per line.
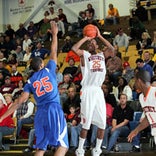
pixel 148 104
pixel 93 73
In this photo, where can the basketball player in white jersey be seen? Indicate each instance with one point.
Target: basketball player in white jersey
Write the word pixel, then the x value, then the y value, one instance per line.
pixel 93 109
pixel 148 102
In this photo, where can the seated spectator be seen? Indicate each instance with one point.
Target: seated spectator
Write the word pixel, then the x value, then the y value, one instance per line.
pixel 8 87
pixel 144 42
pixel 112 15
pixel 26 42
pixel 63 87
pixel 67 44
pixel 52 14
pixel 153 44
pixel 73 99
pixel 128 72
pixel 20 86
pixel 1 78
pixel 109 96
pixel 27 55
pixel 143 66
pixel 121 39
pixel 136 28
pixel 71 69
pixel 7 126
pixel 24 113
pixel 3 69
pixel 59 75
pixel 114 68
pixel 9 100
pixel 16 76
pixel 122 114
pixel 12 59
pixel 147 58
pixel 122 88
pixel 19 53
pixel 91 10
pixel 71 54
pixel 39 51
pixel 10 32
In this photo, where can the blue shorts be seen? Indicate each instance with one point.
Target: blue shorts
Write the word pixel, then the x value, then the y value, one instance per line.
pixel 50 127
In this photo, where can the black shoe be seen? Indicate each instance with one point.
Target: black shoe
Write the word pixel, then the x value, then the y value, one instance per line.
pixel 135 149
pixel 27 150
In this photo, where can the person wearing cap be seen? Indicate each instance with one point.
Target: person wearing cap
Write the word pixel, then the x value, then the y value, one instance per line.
pixel 128 72
pixel 67 45
pixel 8 87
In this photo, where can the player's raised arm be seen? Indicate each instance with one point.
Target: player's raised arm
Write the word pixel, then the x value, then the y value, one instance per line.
pixel 54 44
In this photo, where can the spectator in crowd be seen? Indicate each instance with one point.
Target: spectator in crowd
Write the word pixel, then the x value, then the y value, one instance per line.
pixel 24 113
pixel 3 99
pixel 122 114
pixel 63 87
pixel 67 44
pixel 59 75
pixel 13 58
pixel 3 69
pixel 1 78
pixel 53 14
pixel 7 126
pixel 112 15
pixel 91 10
pixel 141 65
pixel 9 100
pixel 21 31
pixel 16 76
pixel 39 51
pixel 8 87
pixel 147 58
pixel 144 42
pixel 141 12
pixel 61 28
pixel 63 18
pixel 136 28
pixel 27 55
pixel 26 42
pixel 128 72
pixel 71 69
pixel 109 96
pixel 9 46
pixel 32 30
pixel 124 88
pixel 19 53
pixel 121 39
pixel 19 87
pixel 43 30
pixel 153 44
pixel 72 99
pixel 114 68
pixel 10 32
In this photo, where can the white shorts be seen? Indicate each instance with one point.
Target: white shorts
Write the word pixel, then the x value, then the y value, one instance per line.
pixel 93 107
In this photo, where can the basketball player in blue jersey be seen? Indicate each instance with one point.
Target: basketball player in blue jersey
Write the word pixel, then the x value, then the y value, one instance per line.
pixel 93 106
pixel 50 124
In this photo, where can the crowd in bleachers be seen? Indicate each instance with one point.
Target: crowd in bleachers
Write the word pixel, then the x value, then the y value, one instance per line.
pixel 17 48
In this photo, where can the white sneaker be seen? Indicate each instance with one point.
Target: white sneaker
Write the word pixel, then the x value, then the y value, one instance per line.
pixel 79 152
pixel 96 152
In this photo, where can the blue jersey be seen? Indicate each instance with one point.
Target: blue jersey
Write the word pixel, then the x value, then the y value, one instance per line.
pixel 43 85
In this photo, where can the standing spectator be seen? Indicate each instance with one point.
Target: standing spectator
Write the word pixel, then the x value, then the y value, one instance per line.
pixel 53 14
pixel 32 30
pixel 112 15
pixel 121 39
pixel 122 114
pixel 10 32
pixel 21 31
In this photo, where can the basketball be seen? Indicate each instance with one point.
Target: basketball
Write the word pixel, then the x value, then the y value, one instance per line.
pixel 90 31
